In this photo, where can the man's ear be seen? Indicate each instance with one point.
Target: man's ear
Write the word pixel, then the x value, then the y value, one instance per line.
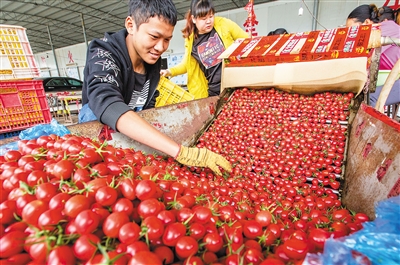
pixel 130 24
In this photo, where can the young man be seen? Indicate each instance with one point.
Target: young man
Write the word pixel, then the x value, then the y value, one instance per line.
pixel 121 75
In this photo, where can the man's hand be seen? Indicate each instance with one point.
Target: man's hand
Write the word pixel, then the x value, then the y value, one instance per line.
pixel 202 157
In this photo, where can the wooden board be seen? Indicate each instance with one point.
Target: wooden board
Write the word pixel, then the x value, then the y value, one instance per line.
pixel 373 161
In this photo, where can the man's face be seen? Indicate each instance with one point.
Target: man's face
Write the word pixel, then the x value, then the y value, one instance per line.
pixel 150 40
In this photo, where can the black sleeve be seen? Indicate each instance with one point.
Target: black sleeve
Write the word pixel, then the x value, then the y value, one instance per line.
pixel 104 83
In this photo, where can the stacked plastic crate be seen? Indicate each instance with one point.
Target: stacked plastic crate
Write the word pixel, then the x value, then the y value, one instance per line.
pixel 23 101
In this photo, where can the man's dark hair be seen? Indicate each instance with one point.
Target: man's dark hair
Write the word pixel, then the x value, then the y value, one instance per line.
pixel 142 10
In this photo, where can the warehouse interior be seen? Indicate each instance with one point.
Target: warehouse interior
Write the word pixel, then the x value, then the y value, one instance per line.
pixel 277 149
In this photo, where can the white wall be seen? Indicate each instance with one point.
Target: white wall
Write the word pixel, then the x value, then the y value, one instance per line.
pixel 278 14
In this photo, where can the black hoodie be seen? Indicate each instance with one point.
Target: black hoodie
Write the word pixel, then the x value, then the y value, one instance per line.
pixel 110 80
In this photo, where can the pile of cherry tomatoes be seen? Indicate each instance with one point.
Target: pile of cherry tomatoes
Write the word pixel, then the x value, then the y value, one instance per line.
pixel 74 200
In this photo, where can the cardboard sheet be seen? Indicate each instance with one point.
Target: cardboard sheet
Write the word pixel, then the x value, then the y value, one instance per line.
pixel 340 75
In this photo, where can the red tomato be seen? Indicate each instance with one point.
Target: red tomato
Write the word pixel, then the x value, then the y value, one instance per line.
pixel 145 258
pixel 18 259
pixel 253 256
pixel 58 201
pixel 272 261
pixel 61 255
pixel 193 260
pixel 165 254
pixel 213 242
pixel 129 233
pixel 252 229
pixel 317 237
pixel 166 217
pixel 86 222
pixel 362 217
pixel 76 204
pixel 153 226
pixel 127 187
pixel 197 231
pixel 46 191
pixel 135 247
pixel 264 218
pixel 186 246
pixel 7 210
pixel 149 207
pixel 106 195
pixel 37 176
pixel 202 214
pixel 39 247
pixel 145 189
pixel 49 219
pixel 123 205
pixel 295 249
pixel 85 247
pixel 147 172
pixel 33 210
pixel 172 233
pixel 17 226
pixel 12 244
pixel 12 156
pixel 63 169
pixel 113 223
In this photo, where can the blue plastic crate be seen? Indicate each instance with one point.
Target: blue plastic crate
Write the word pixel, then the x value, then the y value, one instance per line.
pixel 9 134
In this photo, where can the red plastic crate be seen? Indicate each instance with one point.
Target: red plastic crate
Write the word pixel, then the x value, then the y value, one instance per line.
pixel 23 104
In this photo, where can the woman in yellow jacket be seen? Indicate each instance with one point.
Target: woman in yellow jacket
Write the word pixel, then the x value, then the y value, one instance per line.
pixel 206 37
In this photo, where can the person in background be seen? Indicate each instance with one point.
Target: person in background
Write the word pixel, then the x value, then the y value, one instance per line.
pixel 369 14
pixel 206 37
pixel 121 75
pixel 278 31
pixel 363 15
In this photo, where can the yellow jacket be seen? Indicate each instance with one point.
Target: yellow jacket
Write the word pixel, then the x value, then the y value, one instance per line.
pixel 197 83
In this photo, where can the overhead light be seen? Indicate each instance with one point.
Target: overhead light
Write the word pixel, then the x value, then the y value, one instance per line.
pixel 301 11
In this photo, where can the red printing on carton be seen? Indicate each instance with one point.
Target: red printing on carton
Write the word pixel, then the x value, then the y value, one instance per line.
pixel 303 46
pixel 395 189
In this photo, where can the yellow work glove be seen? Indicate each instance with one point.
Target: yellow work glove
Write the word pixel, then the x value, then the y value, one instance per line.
pixel 202 157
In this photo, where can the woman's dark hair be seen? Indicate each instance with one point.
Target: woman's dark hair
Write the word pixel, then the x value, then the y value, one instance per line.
pixel 278 31
pixel 397 16
pixel 364 12
pixel 198 8
pixel 385 12
pixel 142 10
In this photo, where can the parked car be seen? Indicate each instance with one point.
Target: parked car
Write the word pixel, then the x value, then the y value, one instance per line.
pixel 58 84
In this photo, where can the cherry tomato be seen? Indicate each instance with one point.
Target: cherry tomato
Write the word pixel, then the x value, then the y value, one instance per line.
pixel 76 204
pixel 64 169
pixel 295 249
pixel 145 258
pixel 85 247
pixel 61 255
pixel 145 189
pixel 186 246
pixel 172 233
pixel 129 233
pixel 113 223
pixel 12 244
pixel 153 226
pixel 86 222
